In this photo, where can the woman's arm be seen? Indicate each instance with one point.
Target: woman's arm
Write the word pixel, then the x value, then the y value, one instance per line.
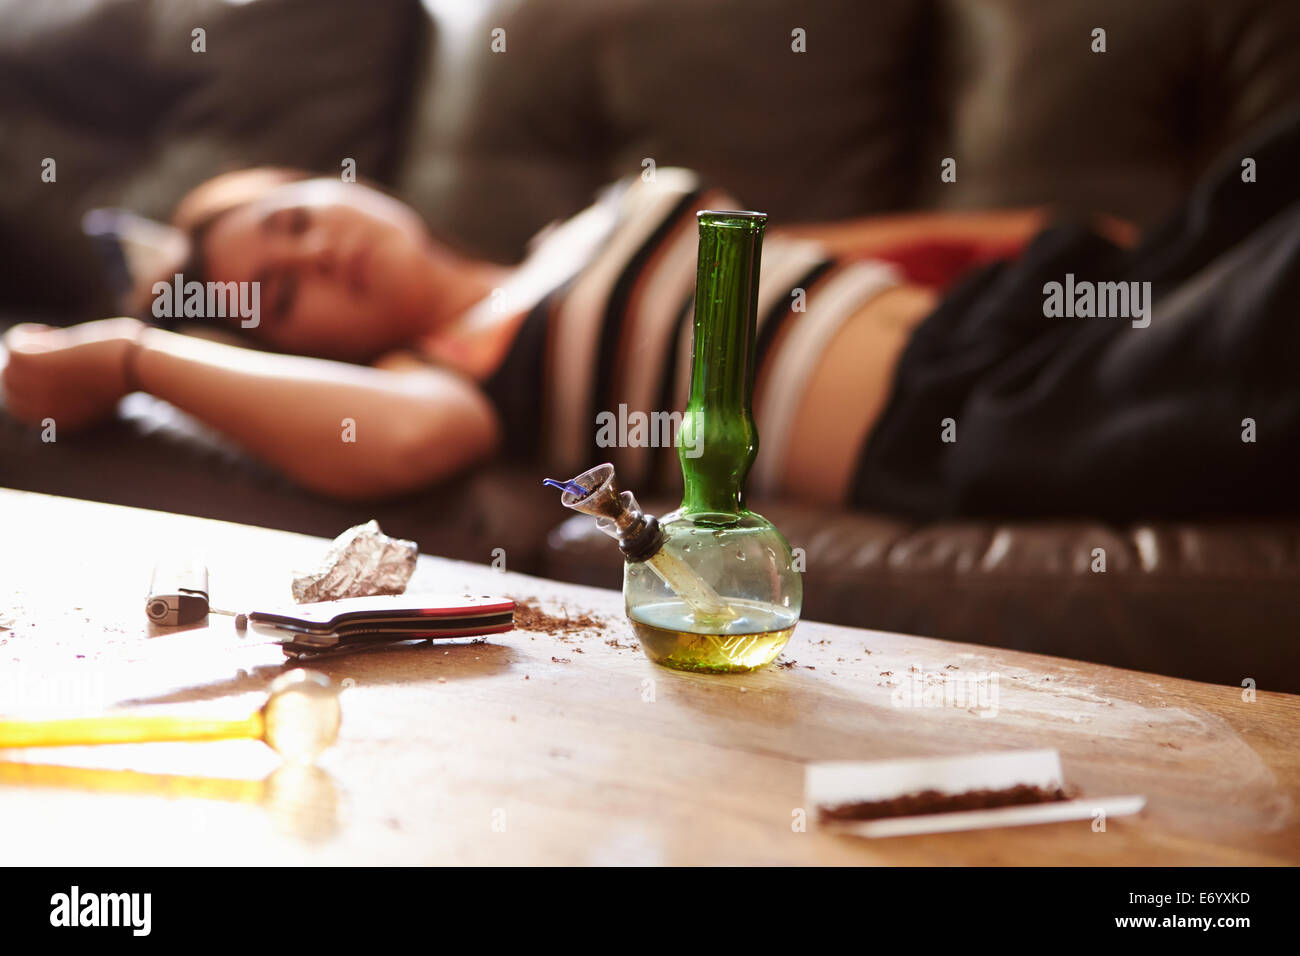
pixel 341 430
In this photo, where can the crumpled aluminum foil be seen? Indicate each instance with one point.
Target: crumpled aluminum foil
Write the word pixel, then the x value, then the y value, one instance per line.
pixel 362 561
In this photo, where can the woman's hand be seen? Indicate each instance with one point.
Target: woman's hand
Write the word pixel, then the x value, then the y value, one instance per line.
pixel 75 376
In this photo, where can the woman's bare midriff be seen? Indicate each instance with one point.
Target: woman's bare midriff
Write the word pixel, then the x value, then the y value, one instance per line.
pixel 838 407
pixel 847 393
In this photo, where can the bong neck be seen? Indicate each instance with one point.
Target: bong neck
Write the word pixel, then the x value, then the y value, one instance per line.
pixel 719 440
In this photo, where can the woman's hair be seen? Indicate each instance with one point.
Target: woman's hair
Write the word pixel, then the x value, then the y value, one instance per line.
pixel 200 208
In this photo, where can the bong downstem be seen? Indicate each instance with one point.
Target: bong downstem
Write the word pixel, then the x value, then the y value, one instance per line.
pixel 595 492
pixel 705 603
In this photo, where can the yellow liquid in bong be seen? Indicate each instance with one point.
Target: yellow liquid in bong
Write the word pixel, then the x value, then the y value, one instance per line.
pixel 674 637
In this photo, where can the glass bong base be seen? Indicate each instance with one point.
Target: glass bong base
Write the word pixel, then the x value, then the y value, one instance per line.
pixel 679 618
pixel 671 635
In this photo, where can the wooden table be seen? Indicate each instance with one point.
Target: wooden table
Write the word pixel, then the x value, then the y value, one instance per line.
pixel 532 748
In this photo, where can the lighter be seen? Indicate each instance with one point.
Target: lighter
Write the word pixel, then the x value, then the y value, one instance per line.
pixel 178 593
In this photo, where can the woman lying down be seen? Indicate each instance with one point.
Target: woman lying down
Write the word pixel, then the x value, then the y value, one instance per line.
pixel 1032 386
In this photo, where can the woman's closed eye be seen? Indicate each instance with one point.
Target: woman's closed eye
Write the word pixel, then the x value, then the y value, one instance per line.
pixel 277 289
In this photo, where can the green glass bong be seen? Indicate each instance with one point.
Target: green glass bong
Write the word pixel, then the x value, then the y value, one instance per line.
pixel 711 586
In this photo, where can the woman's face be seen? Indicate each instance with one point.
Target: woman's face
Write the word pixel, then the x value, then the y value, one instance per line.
pixel 343 270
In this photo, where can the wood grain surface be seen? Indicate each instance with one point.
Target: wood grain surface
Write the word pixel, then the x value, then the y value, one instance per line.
pixel 569 749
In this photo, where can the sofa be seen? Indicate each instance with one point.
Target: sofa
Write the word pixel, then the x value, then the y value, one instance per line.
pixel 494 119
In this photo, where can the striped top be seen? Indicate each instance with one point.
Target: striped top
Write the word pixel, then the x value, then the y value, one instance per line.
pixel 600 367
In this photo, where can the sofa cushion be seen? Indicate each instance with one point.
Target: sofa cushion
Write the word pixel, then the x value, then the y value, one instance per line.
pixel 113 91
pixel 1032 115
pixel 505 142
